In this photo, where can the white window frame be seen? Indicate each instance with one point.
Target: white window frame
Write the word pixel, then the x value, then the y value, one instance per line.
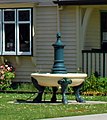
pixel 8 22
pixel 16 22
pixel 24 22
pixel 0 32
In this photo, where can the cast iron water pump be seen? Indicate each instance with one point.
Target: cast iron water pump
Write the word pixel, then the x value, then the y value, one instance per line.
pixel 59 66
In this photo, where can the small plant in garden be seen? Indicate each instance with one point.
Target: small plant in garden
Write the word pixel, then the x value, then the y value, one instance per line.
pixel 90 83
pixel 7 74
pixel 95 84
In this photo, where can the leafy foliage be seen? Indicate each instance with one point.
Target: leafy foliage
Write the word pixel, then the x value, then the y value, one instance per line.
pixel 95 84
pixel 7 73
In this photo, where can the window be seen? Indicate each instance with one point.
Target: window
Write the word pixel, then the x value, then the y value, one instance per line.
pixel 104 30
pixel 15 32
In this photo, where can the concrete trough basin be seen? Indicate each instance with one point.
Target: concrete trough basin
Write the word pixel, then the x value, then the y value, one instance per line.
pixel 42 80
pixel 51 80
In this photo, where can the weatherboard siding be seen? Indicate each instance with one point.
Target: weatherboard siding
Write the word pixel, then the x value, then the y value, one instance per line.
pixel 46 29
pixel 68 30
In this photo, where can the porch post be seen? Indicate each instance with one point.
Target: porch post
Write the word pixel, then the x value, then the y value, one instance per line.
pixel 78 36
pixel 84 24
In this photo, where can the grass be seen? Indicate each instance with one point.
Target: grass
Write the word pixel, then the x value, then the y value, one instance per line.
pixel 9 111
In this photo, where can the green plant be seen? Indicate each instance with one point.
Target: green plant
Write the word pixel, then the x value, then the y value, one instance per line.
pixel 90 83
pixel 7 73
pixel 95 84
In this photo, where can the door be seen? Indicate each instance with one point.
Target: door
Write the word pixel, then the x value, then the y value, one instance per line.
pixel 104 30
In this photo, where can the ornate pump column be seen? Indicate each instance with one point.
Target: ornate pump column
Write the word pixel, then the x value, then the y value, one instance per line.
pixel 59 67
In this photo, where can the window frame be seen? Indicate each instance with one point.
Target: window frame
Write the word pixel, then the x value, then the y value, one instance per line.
pixel 0 32
pixel 3 43
pixel 16 22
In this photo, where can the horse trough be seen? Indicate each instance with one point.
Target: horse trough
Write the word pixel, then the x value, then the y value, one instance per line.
pixel 58 77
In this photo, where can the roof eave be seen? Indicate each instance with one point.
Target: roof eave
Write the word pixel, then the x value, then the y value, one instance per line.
pixel 18 1
pixel 81 2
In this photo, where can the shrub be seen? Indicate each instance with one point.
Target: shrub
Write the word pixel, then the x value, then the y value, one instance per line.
pixel 95 84
pixel 7 73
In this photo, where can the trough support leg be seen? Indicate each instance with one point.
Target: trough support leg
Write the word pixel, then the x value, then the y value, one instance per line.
pixel 38 98
pixel 77 93
pixel 64 84
pixel 54 99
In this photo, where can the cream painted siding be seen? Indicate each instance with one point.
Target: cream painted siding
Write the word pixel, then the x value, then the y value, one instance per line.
pixel 68 30
pixel 92 39
pixel 46 29
pixel 23 67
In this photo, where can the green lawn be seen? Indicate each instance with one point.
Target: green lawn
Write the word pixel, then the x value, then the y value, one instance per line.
pixel 11 111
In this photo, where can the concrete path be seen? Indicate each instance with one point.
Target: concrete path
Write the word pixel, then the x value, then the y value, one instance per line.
pixel 84 117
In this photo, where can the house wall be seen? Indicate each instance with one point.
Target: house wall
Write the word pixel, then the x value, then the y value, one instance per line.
pixel 44 35
pixel 68 30
pixel 46 29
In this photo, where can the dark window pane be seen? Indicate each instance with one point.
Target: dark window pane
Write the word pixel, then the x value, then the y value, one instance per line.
pixel 104 21
pixel 9 37
pixel 9 16
pixel 24 15
pixel 24 37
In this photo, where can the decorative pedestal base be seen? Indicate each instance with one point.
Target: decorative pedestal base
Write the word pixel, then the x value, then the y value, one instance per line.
pixel 38 98
pixel 77 93
pixel 64 84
